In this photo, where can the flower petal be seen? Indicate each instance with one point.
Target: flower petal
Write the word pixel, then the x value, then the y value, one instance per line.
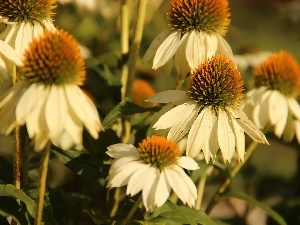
pixel 294 107
pixel 223 47
pixel 211 44
pixel 187 163
pixel 138 180
pixel 121 150
pixel 168 96
pixel 195 49
pixel 148 192
pixel 239 138
pixel 181 63
pixel 163 190
pixel 166 50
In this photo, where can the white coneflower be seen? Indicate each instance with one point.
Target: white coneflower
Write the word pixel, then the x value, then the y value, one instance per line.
pixel 154 168
pixel 273 101
pixel 195 34
pixel 25 20
pixel 209 111
pixel 47 97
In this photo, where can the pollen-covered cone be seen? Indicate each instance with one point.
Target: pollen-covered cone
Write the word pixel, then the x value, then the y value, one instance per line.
pixel 273 101
pixel 25 20
pixel 209 111
pixel 47 97
pixel 154 168
pixel 195 34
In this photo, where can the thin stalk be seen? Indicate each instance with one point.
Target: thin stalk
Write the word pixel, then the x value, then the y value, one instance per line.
pixel 228 180
pixel 132 211
pixel 42 184
pixel 200 188
pixel 135 47
pixel 124 44
pixel 17 158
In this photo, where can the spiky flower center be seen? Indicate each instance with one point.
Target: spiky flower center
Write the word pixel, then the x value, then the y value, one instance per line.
pixel 216 83
pixel 158 151
pixel 32 11
pixel 210 16
pixel 281 72
pixel 54 59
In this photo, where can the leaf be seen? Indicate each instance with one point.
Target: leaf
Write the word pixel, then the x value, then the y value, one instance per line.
pixel 179 215
pixel 97 219
pixel 10 190
pixel 84 164
pixel 253 201
pixel 125 108
pixel 10 207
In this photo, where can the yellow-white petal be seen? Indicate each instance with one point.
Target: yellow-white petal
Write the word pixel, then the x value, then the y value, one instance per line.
pixel 195 49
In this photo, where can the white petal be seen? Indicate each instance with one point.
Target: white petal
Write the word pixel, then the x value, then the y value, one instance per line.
pixel 280 125
pixel 118 163
pixel 297 129
pixel 166 50
pixel 213 143
pixel 148 192
pixel 56 110
pixel 261 109
pixel 155 44
pixel 178 130
pixel 276 107
pixel 226 137
pixel 121 150
pixel 224 47
pixel 211 44
pixel 294 107
pixel 187 163
pixel 174 116
pixel 10 53
pixel 137 180
pixel 195 49
pixel 248 126
pixel 181 63
pixel 289 131
pixel 73 127
pixel 182 185
pixel 167 96
pixel 163 190
pixel 121 176
pixel 199 134
pixel 239 137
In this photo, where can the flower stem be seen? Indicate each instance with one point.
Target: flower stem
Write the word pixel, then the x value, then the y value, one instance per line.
pixel 17 158
pixel 124 45
pixel 132 211
pixel 200 187
pixel 228 180
pixel 135 47
pixel 42 184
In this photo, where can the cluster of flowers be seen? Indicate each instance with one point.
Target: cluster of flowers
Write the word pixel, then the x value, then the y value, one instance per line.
pixel 47 69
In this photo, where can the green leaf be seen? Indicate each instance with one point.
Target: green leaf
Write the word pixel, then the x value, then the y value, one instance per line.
pixel 10 207
pixel 84 164
pixel 97 219
pixel 10 190
pixel 169 212
pixel 125 108
pixel 253 201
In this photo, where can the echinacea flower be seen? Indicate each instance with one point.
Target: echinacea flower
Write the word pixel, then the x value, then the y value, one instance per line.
pixel 209 111
pixel 25 20
pixel 47 97
pixel 154 167
pixel 273 100
pixel 195 34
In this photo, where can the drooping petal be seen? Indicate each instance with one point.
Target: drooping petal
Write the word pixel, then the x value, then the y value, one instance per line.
pixel 168 96
pixel 226 137
pixel 166 50
pixel 223 47
pixel 294 107
pixel 181 63
pixel 239 138
pixel 163 189
pixel 275 107
pixel 280 125
pixel 56 110
pixel 199 134
pixel 195 49
pixel 178 130
pixel 211 44
pixel 182 185
pixel 120 162
pixel 297 130
pixel 289 131
pixel 155 44
pixel 187 163
pixel 169 119
pixel 138 180
pixel 121 150
pixel 248 126
pixel 148 192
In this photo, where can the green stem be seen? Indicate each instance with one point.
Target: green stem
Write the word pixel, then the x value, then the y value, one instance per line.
pixel 124 44
pixel 132 211
pixel 42 184
pixel 17 158
pixel 228 180
pixel 200 188
pixel 135 47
